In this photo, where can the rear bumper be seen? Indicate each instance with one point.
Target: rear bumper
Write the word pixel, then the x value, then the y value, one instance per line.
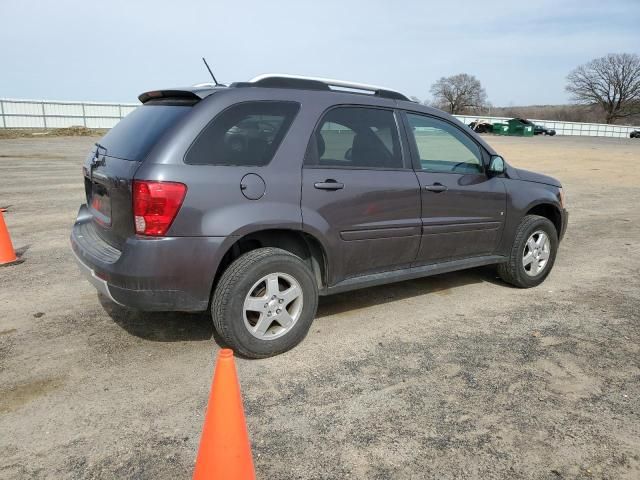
pixel 152 274
pixel 101 285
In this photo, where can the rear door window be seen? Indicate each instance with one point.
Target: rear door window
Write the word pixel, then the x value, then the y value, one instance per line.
pixel 246 134
pixel 134 136
pixel 356 137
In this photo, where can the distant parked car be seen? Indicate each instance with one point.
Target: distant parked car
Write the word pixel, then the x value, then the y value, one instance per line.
pixel 481 126
pixel 635 134
pixel 538 129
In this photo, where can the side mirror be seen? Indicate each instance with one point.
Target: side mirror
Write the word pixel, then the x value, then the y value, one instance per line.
pixel 497 166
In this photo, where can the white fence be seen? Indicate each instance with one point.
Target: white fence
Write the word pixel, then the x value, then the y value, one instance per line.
pixel 47 114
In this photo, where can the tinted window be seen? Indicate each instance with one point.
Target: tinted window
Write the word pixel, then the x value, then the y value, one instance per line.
pixel 137 133
pixel 356 137
pixel 444 148
pixel 245 134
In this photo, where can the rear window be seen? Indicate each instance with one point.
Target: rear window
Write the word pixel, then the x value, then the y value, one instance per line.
pixel 134 136
pixel 245 134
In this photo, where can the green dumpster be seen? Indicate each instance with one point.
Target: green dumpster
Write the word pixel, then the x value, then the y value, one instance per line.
pixel 520 128
pixel 501 128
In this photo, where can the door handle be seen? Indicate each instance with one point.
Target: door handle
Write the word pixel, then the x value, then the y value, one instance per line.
pixel 436 188
pixel 329 184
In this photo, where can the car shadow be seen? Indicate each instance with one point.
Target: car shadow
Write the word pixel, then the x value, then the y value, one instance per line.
pixel 183 326
pixel 161 326
pixel 437 284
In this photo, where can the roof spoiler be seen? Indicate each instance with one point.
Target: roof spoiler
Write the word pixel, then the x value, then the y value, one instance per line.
pixel 169 94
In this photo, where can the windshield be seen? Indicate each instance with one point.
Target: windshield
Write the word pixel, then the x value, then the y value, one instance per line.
pixel 134 136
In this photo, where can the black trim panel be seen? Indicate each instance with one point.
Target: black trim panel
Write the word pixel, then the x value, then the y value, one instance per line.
pixel 382 278
pixel 370 234
pixel 459 227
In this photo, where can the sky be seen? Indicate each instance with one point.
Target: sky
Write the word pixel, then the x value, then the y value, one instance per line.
pixel 112 50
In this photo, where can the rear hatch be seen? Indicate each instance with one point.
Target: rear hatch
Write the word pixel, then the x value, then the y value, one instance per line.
pixel 110 167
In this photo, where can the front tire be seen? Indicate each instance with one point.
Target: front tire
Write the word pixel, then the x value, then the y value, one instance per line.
pixel 265 302
pixel 532 254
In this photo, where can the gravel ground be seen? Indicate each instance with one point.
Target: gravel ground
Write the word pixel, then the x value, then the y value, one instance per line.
pixel 454 376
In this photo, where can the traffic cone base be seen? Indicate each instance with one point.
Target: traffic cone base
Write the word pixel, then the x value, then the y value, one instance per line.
pixel 15 262
pixel 7 253
pixel 225 450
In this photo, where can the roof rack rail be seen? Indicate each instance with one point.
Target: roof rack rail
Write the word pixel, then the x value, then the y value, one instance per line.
pixel 283 80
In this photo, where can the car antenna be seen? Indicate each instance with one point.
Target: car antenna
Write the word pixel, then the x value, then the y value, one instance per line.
pixel 210 72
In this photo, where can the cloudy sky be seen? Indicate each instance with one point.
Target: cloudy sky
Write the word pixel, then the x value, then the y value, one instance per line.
pixel 113 50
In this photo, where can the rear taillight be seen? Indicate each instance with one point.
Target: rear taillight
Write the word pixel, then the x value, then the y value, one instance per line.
pixel 155 205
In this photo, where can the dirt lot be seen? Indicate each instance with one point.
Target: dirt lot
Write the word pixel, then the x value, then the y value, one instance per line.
pixel 455 376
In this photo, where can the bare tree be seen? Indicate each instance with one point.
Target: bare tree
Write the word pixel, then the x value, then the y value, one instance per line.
pixel 611 82
pixel 458 93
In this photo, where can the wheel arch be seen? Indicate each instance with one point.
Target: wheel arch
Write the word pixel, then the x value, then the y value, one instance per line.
pixel 550 212
pixel 297 242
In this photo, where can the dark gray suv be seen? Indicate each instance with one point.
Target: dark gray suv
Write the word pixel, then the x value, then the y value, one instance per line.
pixel 253 199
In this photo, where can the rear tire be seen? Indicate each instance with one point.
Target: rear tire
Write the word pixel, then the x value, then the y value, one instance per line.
pixel 532 254
pixel 265 302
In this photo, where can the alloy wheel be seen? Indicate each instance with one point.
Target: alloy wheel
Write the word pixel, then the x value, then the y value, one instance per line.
pixel 273 306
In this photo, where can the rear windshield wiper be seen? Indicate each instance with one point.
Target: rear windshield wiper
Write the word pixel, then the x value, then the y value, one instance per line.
pixel 101 147
pixel 95 161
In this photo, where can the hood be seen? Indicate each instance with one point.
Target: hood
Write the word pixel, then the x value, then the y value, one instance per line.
pixel 528 176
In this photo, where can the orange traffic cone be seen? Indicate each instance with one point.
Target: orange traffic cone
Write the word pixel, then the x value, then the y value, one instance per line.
pixel 225 452
pixel 7 253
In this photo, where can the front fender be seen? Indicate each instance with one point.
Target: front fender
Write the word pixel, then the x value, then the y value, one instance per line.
pixel 522 196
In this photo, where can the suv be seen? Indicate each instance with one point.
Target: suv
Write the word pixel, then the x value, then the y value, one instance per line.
pixel 327 191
